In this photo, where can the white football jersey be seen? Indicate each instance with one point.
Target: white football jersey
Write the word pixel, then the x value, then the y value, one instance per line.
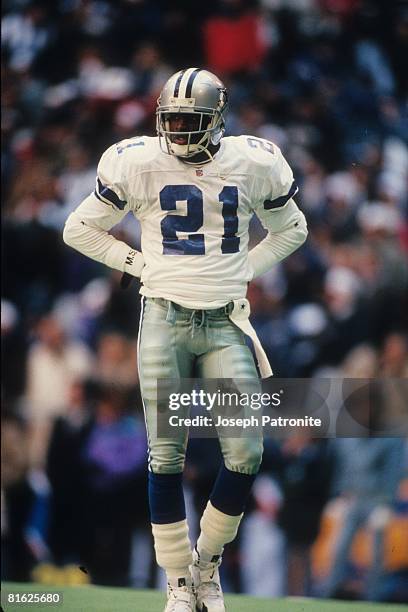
pixel 195 219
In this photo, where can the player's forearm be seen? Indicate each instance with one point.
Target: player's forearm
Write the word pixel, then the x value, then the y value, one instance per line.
pixel 97 244
pixel 277 246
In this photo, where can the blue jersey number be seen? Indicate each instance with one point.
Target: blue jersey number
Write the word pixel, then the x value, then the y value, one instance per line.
pixel 194 244
pixel 193 221
pixel 229 199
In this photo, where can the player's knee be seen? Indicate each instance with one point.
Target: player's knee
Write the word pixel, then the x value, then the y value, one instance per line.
pixel 167 460
pixel 245 457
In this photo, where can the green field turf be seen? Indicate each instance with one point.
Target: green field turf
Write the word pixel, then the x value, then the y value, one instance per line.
pixel 101 599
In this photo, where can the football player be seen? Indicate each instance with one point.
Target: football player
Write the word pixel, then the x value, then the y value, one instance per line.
pixel 194 193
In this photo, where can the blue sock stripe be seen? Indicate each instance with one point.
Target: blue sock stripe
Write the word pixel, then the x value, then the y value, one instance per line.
pixel 231 491
pixel 166 498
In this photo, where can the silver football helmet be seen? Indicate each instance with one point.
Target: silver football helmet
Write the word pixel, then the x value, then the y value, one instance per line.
pixel 191 113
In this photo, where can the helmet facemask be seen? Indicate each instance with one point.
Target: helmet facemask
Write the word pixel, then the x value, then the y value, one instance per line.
pixel 202 126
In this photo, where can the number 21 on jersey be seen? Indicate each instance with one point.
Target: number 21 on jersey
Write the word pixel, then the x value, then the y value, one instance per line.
pixel 194 244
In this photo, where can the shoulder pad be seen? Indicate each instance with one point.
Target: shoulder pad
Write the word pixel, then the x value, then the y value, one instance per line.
pixel 262 152
pixel 139 149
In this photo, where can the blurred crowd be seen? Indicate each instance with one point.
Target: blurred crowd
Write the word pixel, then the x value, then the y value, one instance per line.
pixel 326 80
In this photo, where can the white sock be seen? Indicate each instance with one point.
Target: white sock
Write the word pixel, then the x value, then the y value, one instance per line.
pixel 173 548
pixel 217 529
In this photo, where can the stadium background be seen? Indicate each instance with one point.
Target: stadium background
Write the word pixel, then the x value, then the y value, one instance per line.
pixel 324 79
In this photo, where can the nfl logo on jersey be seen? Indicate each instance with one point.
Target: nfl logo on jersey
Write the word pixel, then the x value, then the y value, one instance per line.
pixel 199 172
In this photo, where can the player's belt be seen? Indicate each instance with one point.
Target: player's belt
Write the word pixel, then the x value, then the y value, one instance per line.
pixel 223 310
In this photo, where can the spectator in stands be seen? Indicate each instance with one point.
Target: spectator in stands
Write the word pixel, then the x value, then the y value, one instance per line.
pixel 54 363
pixel 114 473
pixel 368 472
pixel 394 357
pixel 116 360
pixel 67 528
pixel 17 499
pixel 305 469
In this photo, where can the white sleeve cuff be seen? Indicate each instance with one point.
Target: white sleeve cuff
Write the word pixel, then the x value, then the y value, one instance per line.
pixel 134 262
